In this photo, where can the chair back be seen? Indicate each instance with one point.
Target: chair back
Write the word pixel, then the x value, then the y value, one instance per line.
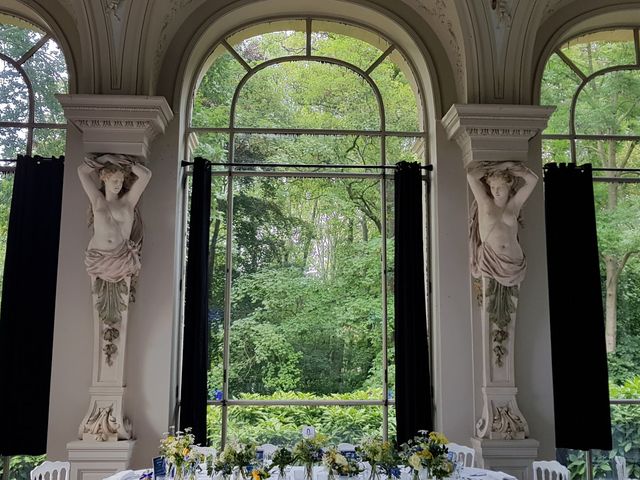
pixel 621 467
pixel 550 470
pixel 51 471
pixel 267 449
pixel 463 454
pixel 347 449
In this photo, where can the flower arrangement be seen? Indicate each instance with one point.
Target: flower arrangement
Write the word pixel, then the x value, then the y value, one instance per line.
pixel 308 451
pixel 382 457
pixel 428 451
pixel 337 463
pixel 259 473
pixel 282 458
pixel 179 454
pixel 235 455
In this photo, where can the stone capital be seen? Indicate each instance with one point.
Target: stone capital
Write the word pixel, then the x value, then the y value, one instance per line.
pixel 494 132
pixel 124 124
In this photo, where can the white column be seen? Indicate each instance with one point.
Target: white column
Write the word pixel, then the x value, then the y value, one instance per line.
pixel 117 125
pixel 489 135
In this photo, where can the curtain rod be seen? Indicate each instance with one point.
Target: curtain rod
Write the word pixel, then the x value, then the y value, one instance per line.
pixel 296 165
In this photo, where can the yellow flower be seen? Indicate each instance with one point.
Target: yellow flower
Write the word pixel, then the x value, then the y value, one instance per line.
pixel 185 452
pixel 414 461
pixel 340 459
pixel 255 474
pixel 425 454
pixel 438 438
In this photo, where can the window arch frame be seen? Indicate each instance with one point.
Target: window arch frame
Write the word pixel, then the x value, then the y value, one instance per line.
pixel 234 170
pixel 31 124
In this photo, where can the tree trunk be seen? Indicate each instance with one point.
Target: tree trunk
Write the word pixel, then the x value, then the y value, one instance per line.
pixel 611 302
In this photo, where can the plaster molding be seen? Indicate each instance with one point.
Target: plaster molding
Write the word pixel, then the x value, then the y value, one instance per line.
pixel 494 132
pixel 124 124
pixel 502 11
pixel 439 11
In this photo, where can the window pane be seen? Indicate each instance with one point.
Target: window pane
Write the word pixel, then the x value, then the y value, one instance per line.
pixel 17 36
pixel 599 50
pixel 609 105
pixel 625 423
pixel 214 426
pixel 407 149
pixel 267 41
pixel 307 149
pixel 556 151
pixel 49 142
pixel 390 278
pixel 217 280
pixel 559 83
pixel 14 95
pixel 212 101
pixel 47 71
pixel 346 42
pixel 6 189
pixel 307 95
pixel 306 311
pixel 399 95
pixel 212 146
pixel 608 153
pixel 283 425
pixel 13 141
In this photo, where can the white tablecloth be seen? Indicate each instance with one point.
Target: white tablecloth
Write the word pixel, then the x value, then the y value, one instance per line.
pixel 320 473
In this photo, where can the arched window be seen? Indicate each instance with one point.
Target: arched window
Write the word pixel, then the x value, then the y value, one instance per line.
pixel 32 71
pixel 594 79
pixel 301 117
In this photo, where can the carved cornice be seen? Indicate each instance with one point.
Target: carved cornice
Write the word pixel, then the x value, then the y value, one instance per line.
pixel 124 124
pixel 495 132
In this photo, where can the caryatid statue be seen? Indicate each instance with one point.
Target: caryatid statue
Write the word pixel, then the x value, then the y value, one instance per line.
pixel 114 184
pixel 500 190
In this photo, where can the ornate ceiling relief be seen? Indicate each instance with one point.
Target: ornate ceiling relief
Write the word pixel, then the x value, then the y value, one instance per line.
pixel 116 14
pixel 440 11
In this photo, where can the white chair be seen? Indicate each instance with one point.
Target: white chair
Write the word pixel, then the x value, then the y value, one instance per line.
pixel 267 449
pixel 347 449
pixel 51 471
pixel 465 455
pixel 547 470
pixel 621 467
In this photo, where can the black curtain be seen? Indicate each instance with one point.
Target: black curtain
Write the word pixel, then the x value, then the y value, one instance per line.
pixel 28 304
pixel 413 379
pixel 193 401
pixel 579 359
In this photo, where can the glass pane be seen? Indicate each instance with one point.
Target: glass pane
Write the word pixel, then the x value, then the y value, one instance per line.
pixel 390 279
pixel 214 426
pixel 346 42
pixel 13 141
pixel 625 423
pixel 399 94
pixel 217 280
pixel 599 50
pixel 306 297
pixel 49 142
pixel 14 95
pixel 17 36
pixel 283 425
pixel 559 84
pixel 6 190
pixel 212 146
pixel 20 466
pixel 609 105
pixel 212 100
pixel 47 71
pixel 556 151
pixel 307 149
pixel 267 41
pixel 307 95
pixel 408 149
pixel 608 153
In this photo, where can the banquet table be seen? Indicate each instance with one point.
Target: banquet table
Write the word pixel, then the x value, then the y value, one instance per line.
pixel 320 473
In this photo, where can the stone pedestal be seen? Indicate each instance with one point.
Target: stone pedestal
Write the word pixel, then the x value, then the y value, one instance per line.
pixel 91 460
pixel 115 125
pixel 510 456
pixel 489 135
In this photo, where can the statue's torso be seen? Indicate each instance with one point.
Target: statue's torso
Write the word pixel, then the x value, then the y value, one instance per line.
pixel 112 223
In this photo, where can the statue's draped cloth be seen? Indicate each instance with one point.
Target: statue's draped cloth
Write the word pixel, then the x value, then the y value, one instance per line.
pixel 486 262
pixel 122 261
